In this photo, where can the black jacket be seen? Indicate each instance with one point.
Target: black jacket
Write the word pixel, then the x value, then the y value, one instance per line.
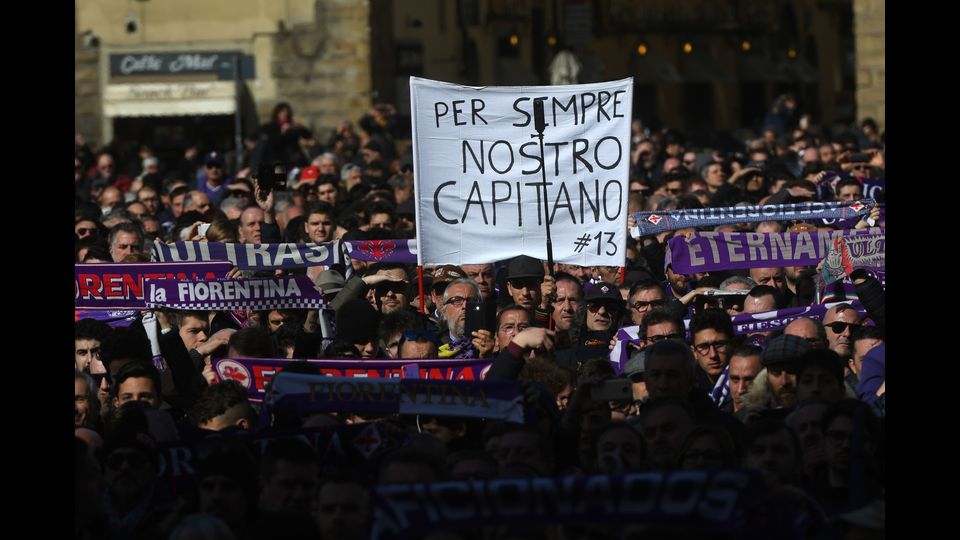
pixel 873 297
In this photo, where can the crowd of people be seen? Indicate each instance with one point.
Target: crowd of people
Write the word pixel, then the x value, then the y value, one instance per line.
pixel 802 405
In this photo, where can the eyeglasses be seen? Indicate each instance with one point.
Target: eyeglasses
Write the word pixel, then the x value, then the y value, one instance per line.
pixel 117 459
pixel 397 287
pixel 640 304
pixel 860 167
pixel 459 300
pixel 655 339
pixel 704 348
pixel 512 328
pixel 675 191
pixel 97 378
pixel 85 230
pixel 411 335
pixel 595 306
pixel 839 327
pixel 525 283
pixel 214 166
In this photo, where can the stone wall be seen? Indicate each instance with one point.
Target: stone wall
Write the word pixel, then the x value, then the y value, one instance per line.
pixel 322 68
pixel 869 21
pixel 87 90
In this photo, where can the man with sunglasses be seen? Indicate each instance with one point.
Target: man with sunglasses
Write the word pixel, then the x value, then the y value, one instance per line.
pixel 604 307
pixel 601 318
pixel 390 284
pixel 214 179
pixel 840 321
pixel 530 287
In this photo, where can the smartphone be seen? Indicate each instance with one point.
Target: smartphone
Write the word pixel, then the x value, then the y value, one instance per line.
pixel 612 390
pixel 271 175
pixel 202 229
pixel 475 318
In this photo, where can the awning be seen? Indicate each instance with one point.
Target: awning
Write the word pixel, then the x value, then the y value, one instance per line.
pixel 170 99
pixel 702 68
pixel 651 69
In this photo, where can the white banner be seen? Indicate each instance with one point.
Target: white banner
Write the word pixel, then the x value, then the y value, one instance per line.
pixel 478 172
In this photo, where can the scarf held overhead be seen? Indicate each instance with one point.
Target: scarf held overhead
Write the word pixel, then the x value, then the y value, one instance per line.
pixel 650 223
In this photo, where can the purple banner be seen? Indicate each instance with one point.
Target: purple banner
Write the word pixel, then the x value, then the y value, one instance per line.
pixel 288 256
pixel 712 503
pixel 866 252
pixel 120 285
pixel 179 459
pixel 114 319
pixel 307 393
pixel 396 251
pixel 750 323
pixel 255 373
pixel 710 251
pixel 283 292
pixel 650 223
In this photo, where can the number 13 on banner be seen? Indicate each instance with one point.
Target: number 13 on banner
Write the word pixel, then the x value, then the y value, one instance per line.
pixel 585 240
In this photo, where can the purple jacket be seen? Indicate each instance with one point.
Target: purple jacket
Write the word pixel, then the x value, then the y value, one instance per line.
pixel 872 374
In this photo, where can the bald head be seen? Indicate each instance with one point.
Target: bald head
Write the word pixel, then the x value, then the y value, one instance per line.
pixel 840 320
pixel 809 330
pixel 111 197
pixel 251 220
pixel 198 201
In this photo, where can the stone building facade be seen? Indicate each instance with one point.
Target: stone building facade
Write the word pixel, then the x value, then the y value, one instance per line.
pixel 870 17
pixel 697 64
pixel 313 54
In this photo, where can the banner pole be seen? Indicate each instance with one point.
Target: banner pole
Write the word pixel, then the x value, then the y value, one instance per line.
pixel 423 309
pixel 540 125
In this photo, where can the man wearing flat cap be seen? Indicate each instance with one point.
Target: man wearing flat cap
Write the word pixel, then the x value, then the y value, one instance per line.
pixel 776 385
